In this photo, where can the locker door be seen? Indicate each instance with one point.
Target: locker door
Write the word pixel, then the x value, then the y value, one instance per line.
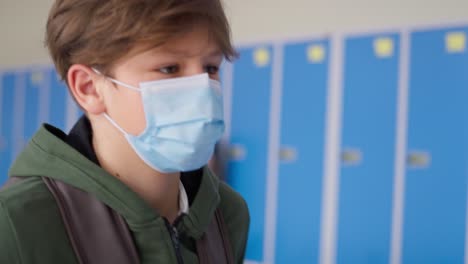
pixel 249 137
pixel 34 84
pixel 58 100
pixel 7 87
pixel 304 90
pixel 436 174
pixel 19 113
pixel 368 149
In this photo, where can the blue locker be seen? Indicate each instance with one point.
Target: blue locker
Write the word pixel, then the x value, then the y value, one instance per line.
pixel 368 149
pixel 6 117
pixel 249 137
pixel 436 174
pixel 19 113
pixel 33 87
pixel 58 100
pixel 304 94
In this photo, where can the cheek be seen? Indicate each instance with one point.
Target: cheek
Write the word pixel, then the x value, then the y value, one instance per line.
pixel 126 109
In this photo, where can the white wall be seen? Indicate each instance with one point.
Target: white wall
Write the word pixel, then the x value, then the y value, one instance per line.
pixel 22 22
pixel 22 26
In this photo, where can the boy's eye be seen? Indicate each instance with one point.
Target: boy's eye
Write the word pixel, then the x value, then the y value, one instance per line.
pixel 211 69
pixel 169 69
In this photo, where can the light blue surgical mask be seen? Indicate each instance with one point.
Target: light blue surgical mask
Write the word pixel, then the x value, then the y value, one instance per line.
pixel 184 120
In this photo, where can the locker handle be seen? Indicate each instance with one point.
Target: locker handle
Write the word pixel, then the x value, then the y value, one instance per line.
pixel 351 157
pixel 237 152
pixel 288 154
pixel 418 159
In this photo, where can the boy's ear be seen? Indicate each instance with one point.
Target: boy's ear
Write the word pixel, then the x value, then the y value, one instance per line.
pixel 83 84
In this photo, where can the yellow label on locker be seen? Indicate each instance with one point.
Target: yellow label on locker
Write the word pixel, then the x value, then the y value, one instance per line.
pixel 288 154
pixel 351 157
pixel 455 42
pixel 262 57
pixel 237 152
pixel 419 159
pixel 316 53
pixel 37 78
pixel 384 47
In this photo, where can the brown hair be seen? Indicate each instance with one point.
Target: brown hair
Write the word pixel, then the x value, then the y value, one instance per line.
pixel 100 32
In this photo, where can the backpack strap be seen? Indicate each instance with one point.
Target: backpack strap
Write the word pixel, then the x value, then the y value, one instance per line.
pixel 97 233
pixel 214 246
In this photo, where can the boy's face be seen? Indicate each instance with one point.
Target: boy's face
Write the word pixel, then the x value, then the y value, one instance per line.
pixel 191 54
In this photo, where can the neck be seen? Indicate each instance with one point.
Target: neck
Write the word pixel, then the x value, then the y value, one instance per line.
pixel 159 190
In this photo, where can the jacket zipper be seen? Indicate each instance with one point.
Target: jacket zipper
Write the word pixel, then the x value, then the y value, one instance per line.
pixel 175 240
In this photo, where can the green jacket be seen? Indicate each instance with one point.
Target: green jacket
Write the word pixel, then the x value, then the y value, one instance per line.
pixel 32 231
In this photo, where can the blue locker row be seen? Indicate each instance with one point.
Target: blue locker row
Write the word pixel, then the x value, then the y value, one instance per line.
pixel 434 192
pixel 28 98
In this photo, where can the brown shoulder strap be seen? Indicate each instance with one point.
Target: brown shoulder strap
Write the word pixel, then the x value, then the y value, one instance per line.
pixel 214 247
pixel 97 233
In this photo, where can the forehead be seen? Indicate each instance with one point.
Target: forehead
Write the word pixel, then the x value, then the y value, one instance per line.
pixel 196 42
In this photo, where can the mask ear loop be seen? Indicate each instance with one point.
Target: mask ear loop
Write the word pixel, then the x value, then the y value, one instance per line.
pixel 117 82
pixel 115 124
pixel 105 114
